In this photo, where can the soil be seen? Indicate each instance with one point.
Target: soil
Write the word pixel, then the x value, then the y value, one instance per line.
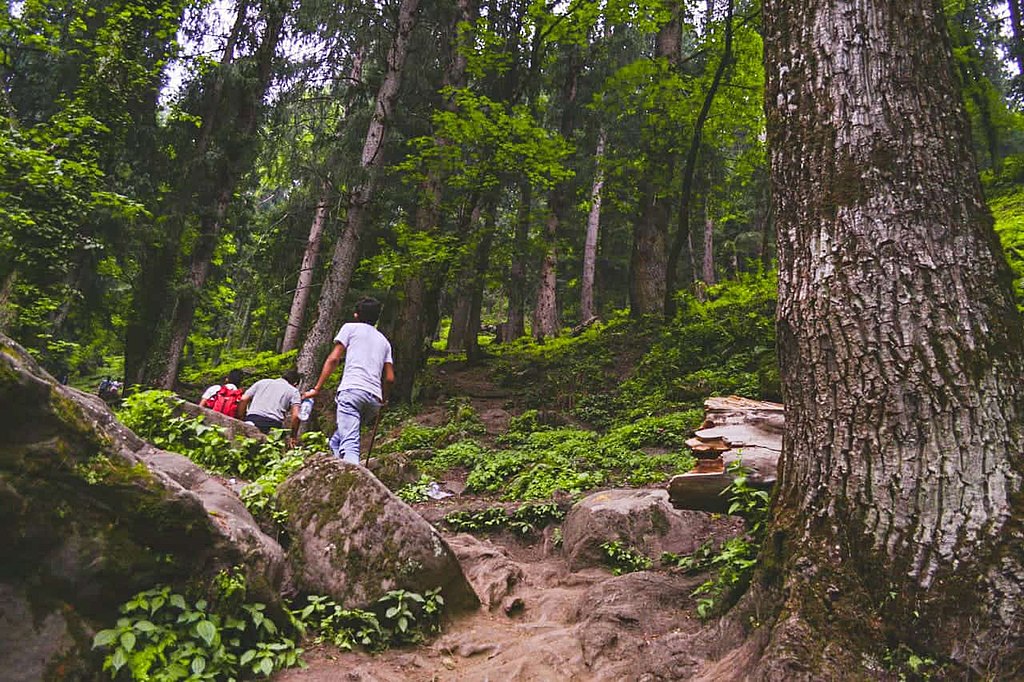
pixel 553 624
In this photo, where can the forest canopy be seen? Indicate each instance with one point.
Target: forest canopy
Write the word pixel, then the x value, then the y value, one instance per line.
pixel 186 183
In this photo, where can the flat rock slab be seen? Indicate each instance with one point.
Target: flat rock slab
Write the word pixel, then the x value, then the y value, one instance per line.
pixel 643 520
pixel 354 540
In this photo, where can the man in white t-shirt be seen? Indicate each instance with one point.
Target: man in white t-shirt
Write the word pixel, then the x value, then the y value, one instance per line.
pixel 366 380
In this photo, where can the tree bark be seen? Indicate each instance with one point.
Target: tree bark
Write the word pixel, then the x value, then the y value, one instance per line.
pixel 708 269
pixel 897 522
pixel 343 261
pixel 587 309
pixel 231 163
pixel 459 332
pixel 309 257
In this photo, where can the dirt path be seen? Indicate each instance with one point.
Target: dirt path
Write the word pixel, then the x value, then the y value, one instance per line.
pixel 588 625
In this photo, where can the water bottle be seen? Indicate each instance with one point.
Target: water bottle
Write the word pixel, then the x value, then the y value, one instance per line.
pixel 305 409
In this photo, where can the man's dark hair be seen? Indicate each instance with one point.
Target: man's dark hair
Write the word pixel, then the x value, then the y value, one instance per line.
pixel 368 309
pixel 292 376
pixel 235 377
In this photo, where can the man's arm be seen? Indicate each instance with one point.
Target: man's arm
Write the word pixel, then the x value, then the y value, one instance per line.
pixel 330 364
pixel 243 406
pixel 388 380
pixel 293 440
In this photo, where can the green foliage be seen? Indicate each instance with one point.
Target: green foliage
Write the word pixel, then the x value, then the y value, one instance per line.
pixel 1008 210
pixel 735 560
pixel 623 559
pixel 153 415
pixel 461 423
pixel 257 365
pixel 162 636
pixel 523 520
pixel 909 665
pixel 399 617
pixel 416 491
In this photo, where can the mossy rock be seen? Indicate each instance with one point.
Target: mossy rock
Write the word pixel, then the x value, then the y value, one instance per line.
pixel 354 540
pixel 91 514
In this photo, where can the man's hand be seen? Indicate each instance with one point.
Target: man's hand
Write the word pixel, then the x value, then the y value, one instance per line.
pixel 311 393
pixel 292 441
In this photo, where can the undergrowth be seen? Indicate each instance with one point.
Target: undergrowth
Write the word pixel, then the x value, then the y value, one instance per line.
pixel 164 636
pixel 732 564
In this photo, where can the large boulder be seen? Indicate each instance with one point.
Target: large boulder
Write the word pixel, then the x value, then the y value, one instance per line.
pixel 643 520
pixel 354 540
pixel 91 514
pixel 233 428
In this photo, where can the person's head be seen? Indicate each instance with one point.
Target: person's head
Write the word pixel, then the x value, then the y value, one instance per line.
pixel 235 377
pixel 292 376
pixel 368 310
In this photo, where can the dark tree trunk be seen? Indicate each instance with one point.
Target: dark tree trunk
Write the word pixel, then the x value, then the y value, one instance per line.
pixel 483 260
pixel 649 257
pixel 343 261
pixel 1017 44
pixel 465 279
pixel 897 520
pixel 236 137
pixel 546 319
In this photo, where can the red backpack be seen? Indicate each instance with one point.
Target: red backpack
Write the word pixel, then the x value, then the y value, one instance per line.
pixel 226 401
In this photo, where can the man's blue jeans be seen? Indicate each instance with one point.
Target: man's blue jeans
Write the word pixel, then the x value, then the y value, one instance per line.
pixel 354 405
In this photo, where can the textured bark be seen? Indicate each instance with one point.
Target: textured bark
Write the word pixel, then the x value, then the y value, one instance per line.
pixel 309 257
pixel 587 308
pixel 346 249
pixel 898 518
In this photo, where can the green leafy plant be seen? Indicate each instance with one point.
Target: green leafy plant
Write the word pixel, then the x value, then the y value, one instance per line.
pixel 399 617
pixel 416 491
pixel 623 559
pixel 735 560
pixel 163 636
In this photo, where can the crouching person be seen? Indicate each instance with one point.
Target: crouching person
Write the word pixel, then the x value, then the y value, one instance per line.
pixel 267 402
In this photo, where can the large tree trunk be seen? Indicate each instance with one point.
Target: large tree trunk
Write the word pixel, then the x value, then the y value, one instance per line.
pixel 465 279
pixel 343 261
pixel 588 310
pixel 237 137
pixel 297 313
pixel 898 515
